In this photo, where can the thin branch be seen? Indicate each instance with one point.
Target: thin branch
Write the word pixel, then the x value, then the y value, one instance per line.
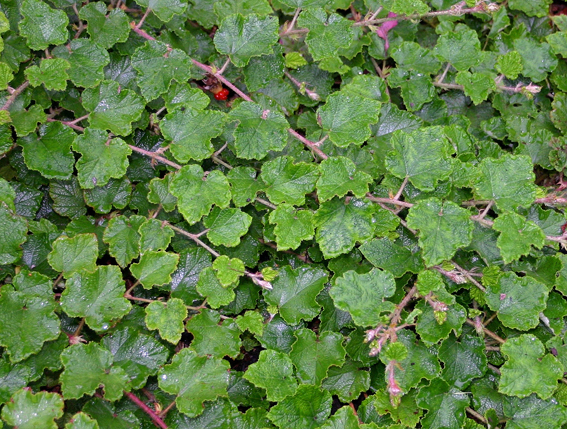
pixel 220 77
pixel 155 418
pixel 302 86
pixel 266 203
pixel 195 238
pixel 141 32
pixel 143 18
pixel 311 145
pixel 14 95
pixel 487 332
pixel 388 201
pixel 399 193
pixel 153 155
pixel 292 23
pixel 476 415
pixel 224 66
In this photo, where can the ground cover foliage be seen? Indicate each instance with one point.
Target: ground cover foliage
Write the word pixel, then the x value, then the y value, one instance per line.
pixel 292 214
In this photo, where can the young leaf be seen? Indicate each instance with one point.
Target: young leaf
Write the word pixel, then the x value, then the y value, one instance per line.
pixel 226 226
pixel 527 370
pixel 87 60
pixel 212 338
pixel 167 318
pixel 539 8
pixel 27 410
pixel 308 408
pixel 98 297
pixel 288 182
pixel 213 290
pixel 461 49
pixel 294 292
pixel 273 372
pixel 71 255
pixel 362 295
pixel 292 226
pixel 122 238
pixel 105 30
pixel 477 86
pixel 537 58
pixel 197 192
pixel 155 268
pixel 339 176
pixel 154 235
pixel 227 270
pixel 517 236
pixel 51 73
pixel 87 367
pixel 13 233
pixel 42 26
pixel 164 9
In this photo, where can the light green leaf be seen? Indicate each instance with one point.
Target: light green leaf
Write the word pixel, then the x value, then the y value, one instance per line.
pixel 51 72
pixel 105 30
pixel 244 7
pixel 82 421
pixel 155 235
pixel 155 268
pixel 122 237
pixel 363 295
pixel 367 86
pixel 292 226
pixel 444 228
pixel 26 322
pixel 274 372
pixel 517 236
pixel 294 293
pixel 226 226
pixel 417 88
pixel 461 49
pixel 42 26
pixel 25 121
pixel 157 65
pixel 87 367
pixel 258 131
pixel 527 370
pixel 227 270
pixel 539 8
pixel 251 321
pixel 559 112
pixel 327 33
pixel 478 86
pixel 112 108
pixel 159 193
pixel 508 181
pixel 308 408
pixel 409 7
pixel 537 58
pixel 517 300
pixel 191 131
pixel 446 405
pixel 242 38
pixel 344 418
pixel 87 61
pixel 102 158
pixel 509 64
pixel 71 255
pixel 6 76
pixel 98 297
pixel 347 119
pixel 167 318
pixel 341 224
pixel 313 356
pixel 431 328
pixel 339 176
pixel 50 151
pixel 164 9
pixel 212 337
pixel 197 192
pixel 13 233
pixel 27 410
pixel 213 290
pixel 558 42
pixel 411 56
pixel 288 182
pixel 423 156
pixel 184 95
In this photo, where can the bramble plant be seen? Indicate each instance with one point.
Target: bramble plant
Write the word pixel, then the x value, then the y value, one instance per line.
pixel 287 213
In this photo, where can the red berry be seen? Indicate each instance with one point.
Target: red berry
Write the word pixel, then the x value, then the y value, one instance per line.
pixel 222 94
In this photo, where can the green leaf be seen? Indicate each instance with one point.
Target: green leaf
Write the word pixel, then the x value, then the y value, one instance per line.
pixel 461 49
pixel 75 254
pixel 274 372
pixel 258 130
pixel 527 370
pixel 167 318
pixel 348 381
pixel 444 228
pixel 194 379
pixel 558 42
pixel 341 223
pixel 140 355
pixel 213 338
pixel 409 7
pixel 292 226
pixel 157 65
pixel 477 86
pixel 367 86
pixel 344 418
pixel 288 182
pixel 423 156
pixel 159 193
pixel 242 38
pixel 537 58
pixel 197 192
pixel 155 268
pixel 227 270
pixel 155 235
pixel 339 176
pixel 13 233
pixel 532 412
pixel 363 295
pixel 510 64
pixel 294 292
pixel 51 73
pixel 327 33
pixel 508 181
pixel 122 238
pixel 431 327
pixel 87 367
pixel 463 360
pixel 68 198
pixel 87 61
pixel 244 185
pixel 112 108
pixel 98 297
pixel 308 408
pixel 385 254
pixel 82 421
pixel 6 76
pixel 26 322
pixel 102 158
pixel 105 29
pixel 164 9
pixel 411 56
pixel 50 151
pixel 417 88
pixel 184 95
pixel 347 119
pixel 191 131
pixel 313 356
pixel 226 226
pixel 27 410
pixel 539 8
pixel 42 26
pixel 517 236
pixel 25 121
pixel 517 300
pixel 213 289
pixel 446 405
pixel 559 112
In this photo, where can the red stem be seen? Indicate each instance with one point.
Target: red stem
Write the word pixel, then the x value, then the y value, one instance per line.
pixel 155 418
